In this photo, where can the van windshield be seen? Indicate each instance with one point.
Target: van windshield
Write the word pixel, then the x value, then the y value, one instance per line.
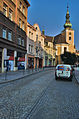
pixel 63 68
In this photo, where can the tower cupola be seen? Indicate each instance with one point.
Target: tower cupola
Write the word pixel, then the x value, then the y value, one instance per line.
pixel 67 24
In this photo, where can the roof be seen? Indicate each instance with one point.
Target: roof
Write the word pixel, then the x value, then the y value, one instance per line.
pixel 29 25
pixel 27 3
pixel 60 39
pixel 49 39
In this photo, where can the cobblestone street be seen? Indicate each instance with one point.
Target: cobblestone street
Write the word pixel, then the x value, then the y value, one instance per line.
pixel 17 98
pixel 40 96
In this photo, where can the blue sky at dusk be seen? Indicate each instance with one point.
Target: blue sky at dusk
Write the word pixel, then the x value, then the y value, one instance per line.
pixel 50 16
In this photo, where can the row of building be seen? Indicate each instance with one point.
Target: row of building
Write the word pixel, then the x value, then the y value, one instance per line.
pixel 23 45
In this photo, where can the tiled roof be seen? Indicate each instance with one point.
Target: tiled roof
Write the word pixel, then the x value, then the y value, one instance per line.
pixel 60 39
pixel 49 39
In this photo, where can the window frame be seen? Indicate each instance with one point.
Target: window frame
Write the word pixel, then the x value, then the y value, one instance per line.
pixel 9 35
pixel 4 33
pixel 10 14
pixel 5 9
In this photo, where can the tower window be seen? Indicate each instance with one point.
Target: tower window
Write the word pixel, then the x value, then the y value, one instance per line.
pixel 70 33
pixel 69 38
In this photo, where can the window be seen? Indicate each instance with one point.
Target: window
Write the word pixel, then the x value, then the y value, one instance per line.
pixel 36 37
pixel 29 47
pixel 69 37
pixel 10 36
pixel 5 9
pixel 19 41
pixel 32 35
pixel 10 14
pixel 20 6
pixel 20 23
pixel 4 33
pixel 29 34
pixel 65 49
pixel 69 33
pixel 36 28
pixel 23 25
pixel 22 42
pixel 23 10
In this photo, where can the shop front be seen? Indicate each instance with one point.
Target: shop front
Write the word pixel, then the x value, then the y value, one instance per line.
pixel 0 60
pixel 30 62
pixel 40 63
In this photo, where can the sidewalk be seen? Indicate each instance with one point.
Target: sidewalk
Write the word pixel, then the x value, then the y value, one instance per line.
pixel 77 74
pixel 12 76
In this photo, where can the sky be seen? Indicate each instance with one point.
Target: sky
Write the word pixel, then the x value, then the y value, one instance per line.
pixel 50 16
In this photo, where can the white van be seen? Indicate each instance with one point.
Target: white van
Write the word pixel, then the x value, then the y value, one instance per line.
pixel 63 71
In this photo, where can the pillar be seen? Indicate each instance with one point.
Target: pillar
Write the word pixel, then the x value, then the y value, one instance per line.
pixel 3 60
pixel 15 61
pixel 26 61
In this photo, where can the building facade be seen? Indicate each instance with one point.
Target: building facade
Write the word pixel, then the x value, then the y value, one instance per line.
pixel 13 29
pixel 65 40
pixel 35 46
pixel 49 51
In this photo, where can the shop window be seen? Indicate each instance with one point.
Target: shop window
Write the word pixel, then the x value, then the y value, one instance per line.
pixel 10 14
pixel 5 9
pixel 4 33
pixel 10 36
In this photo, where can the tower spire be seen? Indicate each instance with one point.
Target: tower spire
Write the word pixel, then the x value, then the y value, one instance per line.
pixel 67 23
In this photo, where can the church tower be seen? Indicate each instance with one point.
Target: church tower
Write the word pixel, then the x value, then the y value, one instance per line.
pixel 69 32
pixel 65 40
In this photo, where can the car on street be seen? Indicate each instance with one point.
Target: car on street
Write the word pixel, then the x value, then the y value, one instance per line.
pixel 63 71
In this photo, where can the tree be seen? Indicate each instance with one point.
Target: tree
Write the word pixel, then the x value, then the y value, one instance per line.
pixel 69 58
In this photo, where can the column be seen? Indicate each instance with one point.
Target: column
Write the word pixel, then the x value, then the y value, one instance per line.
pixel 15 61
pixel 25 61
pixel 3 60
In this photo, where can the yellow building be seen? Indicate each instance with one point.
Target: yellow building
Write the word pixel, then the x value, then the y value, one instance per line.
pixel 65 40
pixel 49 52
pixel 35 46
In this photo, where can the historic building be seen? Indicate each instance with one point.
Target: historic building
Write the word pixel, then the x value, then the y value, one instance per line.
pixel 13 29
pixel 35 46
pixel 65 40
pixel 49 52
pixel 31 35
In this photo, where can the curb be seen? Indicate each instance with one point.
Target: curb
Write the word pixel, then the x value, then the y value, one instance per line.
pixel 76 78
pixel 8 81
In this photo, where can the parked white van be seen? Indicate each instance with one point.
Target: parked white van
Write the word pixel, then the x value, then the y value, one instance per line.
pixel 63 71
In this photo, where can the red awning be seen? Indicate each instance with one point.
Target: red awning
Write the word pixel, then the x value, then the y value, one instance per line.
pixel 11 58
pixel 21 59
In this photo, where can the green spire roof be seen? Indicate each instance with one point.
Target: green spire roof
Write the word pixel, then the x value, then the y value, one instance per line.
pixel 67 24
